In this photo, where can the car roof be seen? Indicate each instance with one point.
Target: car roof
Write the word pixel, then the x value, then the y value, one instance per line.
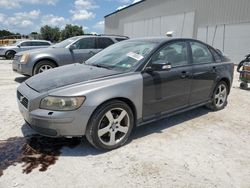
pixel 162 39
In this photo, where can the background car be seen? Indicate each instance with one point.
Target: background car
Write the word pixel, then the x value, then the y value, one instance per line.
pixel 128 84
pixel 9 51
pixel 73 50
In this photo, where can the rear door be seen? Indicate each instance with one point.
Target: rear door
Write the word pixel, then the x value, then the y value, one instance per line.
pixel 166 91
pixel 84 49
pixel 204 73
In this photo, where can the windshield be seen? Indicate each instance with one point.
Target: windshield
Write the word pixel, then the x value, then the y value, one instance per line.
pixel 15 43
pixel 65 43
pixel 123 55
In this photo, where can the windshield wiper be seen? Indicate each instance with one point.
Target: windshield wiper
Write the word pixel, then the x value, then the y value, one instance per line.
pixel 102 66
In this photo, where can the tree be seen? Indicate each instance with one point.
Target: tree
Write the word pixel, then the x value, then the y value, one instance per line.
pixel 50 33
pixel 71 31
pixel 4 33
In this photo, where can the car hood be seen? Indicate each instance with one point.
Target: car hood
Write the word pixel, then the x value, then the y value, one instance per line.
pixel 66 75
pixel 42 50
pixel 7 47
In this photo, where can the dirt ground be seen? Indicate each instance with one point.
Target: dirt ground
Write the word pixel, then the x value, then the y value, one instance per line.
pixel 196 149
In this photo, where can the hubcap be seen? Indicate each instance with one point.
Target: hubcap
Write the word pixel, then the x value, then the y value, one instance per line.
pixel 44 68
pixel 220 95
pixel 113 126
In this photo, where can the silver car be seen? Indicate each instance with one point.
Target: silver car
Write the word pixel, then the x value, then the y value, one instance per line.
pixel 9 51
pixel 73 50
pixel 129 83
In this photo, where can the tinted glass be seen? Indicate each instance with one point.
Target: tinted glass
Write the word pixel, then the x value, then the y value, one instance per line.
pixel 175 53
pixel 26 44
pixel 104 42
pixel 201 54
pixel 65 43
pixel 217 57
pixel 122 56
pixel 85 43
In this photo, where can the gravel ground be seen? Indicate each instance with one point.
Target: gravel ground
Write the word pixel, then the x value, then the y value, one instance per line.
pixel 199 148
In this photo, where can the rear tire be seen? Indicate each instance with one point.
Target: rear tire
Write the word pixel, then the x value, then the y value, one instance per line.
pixel 219 98
pixel 110 125
pixel 10 54
pixel 43 66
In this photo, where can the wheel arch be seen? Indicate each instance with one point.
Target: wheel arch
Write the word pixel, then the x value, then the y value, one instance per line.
pixel 227 81
pixel 44 59
pixel 123 99
pixel 11 50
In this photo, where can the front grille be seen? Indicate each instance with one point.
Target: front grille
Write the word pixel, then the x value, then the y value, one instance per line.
pixel 23 100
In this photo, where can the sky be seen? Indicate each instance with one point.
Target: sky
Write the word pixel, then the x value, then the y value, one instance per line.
pixel 26 16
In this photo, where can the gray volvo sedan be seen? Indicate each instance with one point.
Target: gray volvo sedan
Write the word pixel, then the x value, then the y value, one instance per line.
pixel 128 84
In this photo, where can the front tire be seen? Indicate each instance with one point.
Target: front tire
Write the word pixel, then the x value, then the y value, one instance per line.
pixel 43 66
pixel 110 126
pixel 219 99
pixel 10 54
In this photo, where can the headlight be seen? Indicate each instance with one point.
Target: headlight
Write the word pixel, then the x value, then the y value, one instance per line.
pixel 24 58
pixel 61 103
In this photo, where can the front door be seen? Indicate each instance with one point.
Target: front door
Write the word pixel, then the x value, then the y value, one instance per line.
pixel 84 49
pixel 167 90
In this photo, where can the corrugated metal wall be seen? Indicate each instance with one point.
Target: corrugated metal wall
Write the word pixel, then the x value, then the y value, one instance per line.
pixel 224 24
pixel 208 12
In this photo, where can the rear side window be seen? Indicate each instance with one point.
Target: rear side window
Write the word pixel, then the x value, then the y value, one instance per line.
pixel 42 44
pixel 26 44
pixel 201 53
pixel 104 42
pixel 217 57
pixel 85 43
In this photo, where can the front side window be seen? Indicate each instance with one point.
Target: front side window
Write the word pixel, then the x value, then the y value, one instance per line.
pixel 201 54
pixel 85 43
pixel 175 54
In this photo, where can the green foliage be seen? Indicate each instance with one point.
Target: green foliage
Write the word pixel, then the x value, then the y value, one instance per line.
pixel 4 33
pixel 50 33
pixel 71 31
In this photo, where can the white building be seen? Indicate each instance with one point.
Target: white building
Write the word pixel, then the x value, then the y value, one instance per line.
pixel 225 24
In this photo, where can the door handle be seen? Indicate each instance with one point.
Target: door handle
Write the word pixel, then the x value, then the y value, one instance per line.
pixel 214 69
pixel 184 74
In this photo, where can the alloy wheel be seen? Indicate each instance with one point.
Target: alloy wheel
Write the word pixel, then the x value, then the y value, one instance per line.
pixel 114 126
pixel 44 68
pixel 220 96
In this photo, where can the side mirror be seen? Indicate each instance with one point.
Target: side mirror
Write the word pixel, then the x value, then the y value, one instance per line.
pixel 72 47
pixel 161 65
pixel 18 45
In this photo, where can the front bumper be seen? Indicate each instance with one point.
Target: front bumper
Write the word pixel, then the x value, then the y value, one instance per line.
pixel 23 69
pixel 52 123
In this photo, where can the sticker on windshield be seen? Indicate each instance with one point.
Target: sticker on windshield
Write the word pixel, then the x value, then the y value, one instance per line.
pixel 135 56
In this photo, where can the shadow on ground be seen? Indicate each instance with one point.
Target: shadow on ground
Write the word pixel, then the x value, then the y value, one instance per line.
pixel 35 151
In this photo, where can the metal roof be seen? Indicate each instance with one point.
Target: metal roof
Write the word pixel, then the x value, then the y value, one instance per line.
pixel 124 8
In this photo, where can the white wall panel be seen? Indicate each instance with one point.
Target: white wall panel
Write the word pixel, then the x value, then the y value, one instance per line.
pixel 237 41
pixel 181 24
pixel 233 39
